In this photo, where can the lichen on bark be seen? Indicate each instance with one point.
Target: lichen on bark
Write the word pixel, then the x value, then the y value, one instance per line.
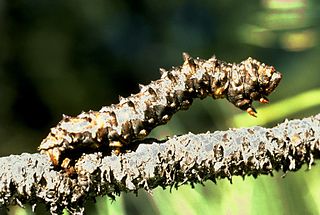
pixel 186 159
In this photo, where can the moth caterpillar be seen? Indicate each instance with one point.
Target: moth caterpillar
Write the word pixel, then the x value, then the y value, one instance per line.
pixel 134 117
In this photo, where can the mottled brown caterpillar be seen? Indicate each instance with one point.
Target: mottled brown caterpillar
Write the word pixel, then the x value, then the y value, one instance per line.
pixel 134 117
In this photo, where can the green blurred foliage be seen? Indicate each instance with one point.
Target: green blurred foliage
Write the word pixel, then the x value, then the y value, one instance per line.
pixel 67 56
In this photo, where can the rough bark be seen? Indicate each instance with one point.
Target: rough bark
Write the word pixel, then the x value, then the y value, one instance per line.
pixel 190 158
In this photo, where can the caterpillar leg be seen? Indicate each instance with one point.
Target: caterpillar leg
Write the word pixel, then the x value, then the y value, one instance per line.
pixel 54 155
pixel 264 100
pixel 252 112
pixel 116 146
pixel 66 163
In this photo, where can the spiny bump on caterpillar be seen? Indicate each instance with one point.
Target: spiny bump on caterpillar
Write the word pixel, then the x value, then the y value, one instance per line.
pixel 134 117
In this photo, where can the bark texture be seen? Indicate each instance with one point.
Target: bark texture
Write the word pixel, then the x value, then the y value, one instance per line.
pixel 190 158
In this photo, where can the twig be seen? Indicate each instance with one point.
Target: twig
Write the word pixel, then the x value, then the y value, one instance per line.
pixel 31 178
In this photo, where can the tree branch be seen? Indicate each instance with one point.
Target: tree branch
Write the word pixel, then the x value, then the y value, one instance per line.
pixel 190 158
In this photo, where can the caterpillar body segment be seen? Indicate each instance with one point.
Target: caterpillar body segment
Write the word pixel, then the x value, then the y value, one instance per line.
pixel 134 117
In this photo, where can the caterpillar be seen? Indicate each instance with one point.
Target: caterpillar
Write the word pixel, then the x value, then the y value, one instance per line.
pixel 134 117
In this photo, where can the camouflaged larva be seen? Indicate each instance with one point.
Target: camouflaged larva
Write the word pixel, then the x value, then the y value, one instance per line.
pixel 134 117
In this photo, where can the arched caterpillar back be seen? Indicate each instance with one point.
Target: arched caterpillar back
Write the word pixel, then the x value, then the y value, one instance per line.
pixel 134 117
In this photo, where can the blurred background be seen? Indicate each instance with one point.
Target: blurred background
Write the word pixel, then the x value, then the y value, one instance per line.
pixel 63 57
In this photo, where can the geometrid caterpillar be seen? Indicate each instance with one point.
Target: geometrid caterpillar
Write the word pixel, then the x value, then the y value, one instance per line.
pixel 134 117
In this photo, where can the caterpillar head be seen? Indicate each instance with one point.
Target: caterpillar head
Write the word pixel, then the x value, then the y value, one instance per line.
pixel 252 81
